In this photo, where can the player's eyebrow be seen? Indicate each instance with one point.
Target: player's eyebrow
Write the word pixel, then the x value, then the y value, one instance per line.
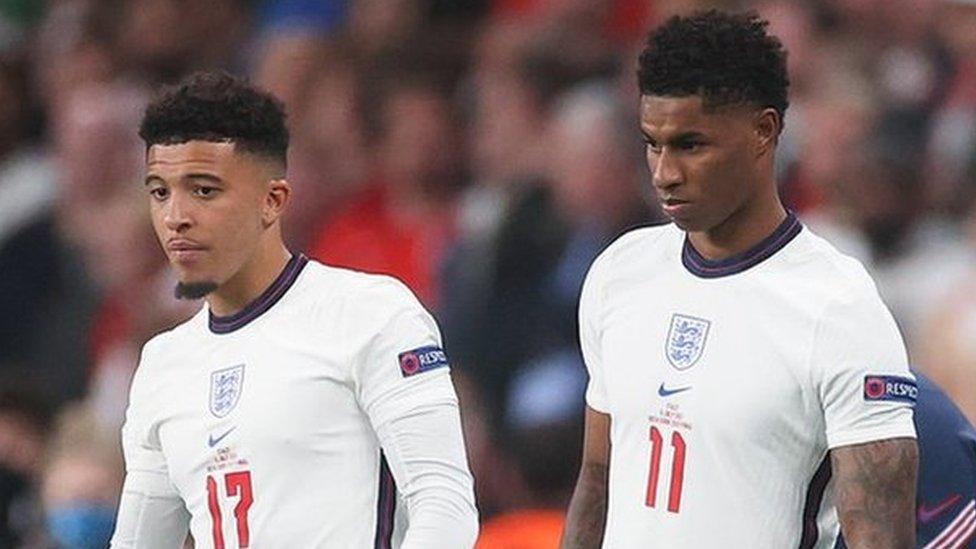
pixel 153 178
pixel 679 138
pixel 203 175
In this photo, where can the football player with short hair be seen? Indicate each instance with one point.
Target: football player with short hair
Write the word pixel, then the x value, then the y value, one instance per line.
pixel 303 402
pixel 748 388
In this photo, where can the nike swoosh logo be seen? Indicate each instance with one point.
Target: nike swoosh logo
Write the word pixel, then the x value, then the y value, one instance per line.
pixel 665 392
pixel 926 513
pixel 214 441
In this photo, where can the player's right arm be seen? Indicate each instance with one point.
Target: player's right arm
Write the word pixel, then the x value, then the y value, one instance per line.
pixel 587 515
pixel 151 513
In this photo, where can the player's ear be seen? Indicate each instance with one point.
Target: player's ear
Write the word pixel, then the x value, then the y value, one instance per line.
pixel 275 200
pixel 768 125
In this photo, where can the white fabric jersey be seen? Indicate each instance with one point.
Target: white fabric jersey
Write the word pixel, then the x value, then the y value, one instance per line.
pixel 273 428
pixel 727 382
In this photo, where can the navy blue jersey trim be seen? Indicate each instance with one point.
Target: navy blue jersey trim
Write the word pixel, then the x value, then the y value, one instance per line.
pixel 385 507
pixel 267 299
pixel 699 266
pixel 815 493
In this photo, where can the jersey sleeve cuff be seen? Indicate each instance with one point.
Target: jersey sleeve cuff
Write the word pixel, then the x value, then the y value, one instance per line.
pixel 596 403
pixel 850 438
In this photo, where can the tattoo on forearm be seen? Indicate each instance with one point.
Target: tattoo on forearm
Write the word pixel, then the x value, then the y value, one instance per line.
pixel 587 514
pixel 875 486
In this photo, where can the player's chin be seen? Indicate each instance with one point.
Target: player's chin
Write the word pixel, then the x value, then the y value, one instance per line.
pixel 693 218
pixel 688 223
pixel 194 289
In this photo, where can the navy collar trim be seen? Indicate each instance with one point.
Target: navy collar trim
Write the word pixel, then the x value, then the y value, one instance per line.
pixel 267 299
pixel 701 267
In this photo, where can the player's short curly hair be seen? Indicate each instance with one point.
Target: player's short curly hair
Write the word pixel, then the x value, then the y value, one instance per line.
pixel 218 107
pixel 729 59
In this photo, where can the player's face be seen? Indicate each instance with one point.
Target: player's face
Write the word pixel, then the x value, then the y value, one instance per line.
pixel 703 162
pixel 206 200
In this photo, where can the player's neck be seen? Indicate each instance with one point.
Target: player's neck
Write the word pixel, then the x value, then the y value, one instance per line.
pixel 741 231
pixel 251 281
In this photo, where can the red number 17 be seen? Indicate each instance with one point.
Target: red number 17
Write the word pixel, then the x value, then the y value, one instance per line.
pixel 238 483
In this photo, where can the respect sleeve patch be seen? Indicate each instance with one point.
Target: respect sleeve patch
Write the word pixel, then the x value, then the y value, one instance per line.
pixel 891 388
pixel 422 360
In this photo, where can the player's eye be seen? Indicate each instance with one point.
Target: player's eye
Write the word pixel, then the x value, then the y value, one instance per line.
pixel 205 192
pixel 690 145
pixel 652 145
pixel 159 193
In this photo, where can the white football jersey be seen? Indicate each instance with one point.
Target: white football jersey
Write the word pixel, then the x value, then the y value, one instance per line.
pixel 279 427
pixel 727 382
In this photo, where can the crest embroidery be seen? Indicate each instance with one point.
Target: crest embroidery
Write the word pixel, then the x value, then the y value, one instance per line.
pixel 686 340
pixel 225 389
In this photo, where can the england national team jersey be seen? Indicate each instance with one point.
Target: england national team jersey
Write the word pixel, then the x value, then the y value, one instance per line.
pixel 728 382
pixel 279 427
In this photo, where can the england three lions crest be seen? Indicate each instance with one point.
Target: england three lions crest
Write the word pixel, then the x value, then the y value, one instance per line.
pixel 686 340
pixel 225 389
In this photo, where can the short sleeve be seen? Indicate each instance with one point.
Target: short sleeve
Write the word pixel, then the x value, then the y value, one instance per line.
pixel 589 334
pixel 866 390
pixel 403 364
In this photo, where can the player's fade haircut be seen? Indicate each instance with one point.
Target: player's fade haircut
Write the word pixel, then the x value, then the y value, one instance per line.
pixel 728 59
pixel 218 107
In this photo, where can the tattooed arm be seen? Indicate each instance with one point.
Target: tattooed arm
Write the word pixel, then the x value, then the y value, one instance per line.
pixel 875 485
pixel 587 515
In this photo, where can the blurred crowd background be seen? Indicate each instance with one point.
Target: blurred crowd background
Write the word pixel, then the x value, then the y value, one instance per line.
pixel 484 152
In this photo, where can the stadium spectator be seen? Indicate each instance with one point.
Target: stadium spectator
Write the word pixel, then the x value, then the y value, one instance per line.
pixel 947 347
pixel 883 191
pixel 330 161
pixel 28 275
pixel 952 141
pixel 25 421
pixel 402 223
pixel 71 48
pixel 198 34
pixel 512 289
pixel 544 430
pixel 81 482
pixel 507 232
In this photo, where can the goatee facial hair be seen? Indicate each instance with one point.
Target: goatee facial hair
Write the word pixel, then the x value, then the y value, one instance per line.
pixel 193 290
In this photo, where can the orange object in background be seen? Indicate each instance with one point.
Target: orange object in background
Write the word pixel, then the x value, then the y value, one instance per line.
pixel 529 529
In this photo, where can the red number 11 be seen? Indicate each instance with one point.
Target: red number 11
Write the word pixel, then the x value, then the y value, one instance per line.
pixel 238 483
pixel 677 469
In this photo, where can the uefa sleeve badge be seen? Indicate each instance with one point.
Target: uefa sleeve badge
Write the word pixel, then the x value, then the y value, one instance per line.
pixel 422 360
pixel 890 388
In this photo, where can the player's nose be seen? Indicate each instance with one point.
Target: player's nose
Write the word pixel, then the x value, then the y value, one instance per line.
pixel 176 214
pixel 665 170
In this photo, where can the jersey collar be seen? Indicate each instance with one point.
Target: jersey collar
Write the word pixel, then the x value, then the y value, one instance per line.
pixel 701 267
pixel 267 299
